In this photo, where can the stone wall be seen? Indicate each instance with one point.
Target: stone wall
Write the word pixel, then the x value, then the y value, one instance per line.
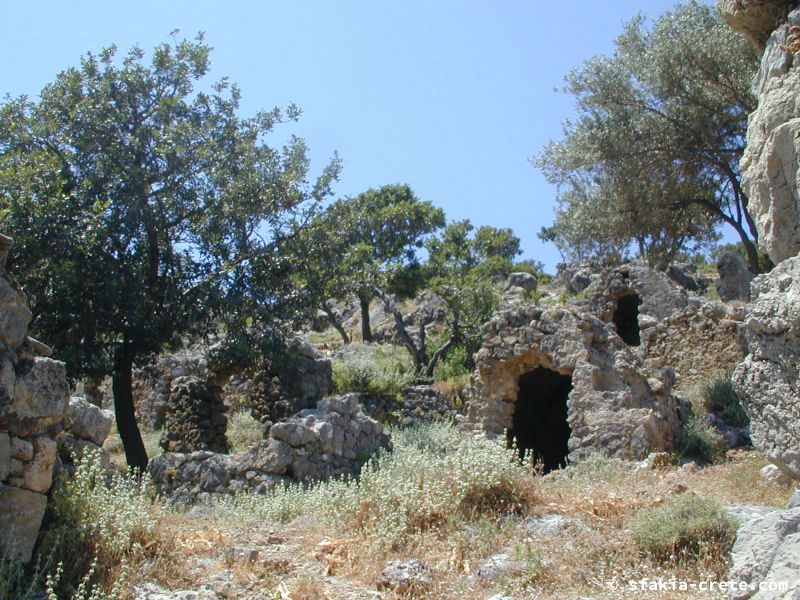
pixel 34 395
pixel 699 342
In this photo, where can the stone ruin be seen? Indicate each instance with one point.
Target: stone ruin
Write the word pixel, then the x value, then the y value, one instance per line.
pixel 332 439
pixel 593 376
pixel 188 396
pixel 34 396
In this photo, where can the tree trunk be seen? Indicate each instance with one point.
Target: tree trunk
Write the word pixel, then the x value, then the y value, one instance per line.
pixel 439 355
pixel 334 319
pixel 122 386
pixel 366 332
pixel 417 353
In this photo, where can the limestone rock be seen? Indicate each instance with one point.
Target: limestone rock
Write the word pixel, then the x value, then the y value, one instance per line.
pixel 766 550
pixel 316 444
pixel 685 275
pixel 766 380
pixel 611 405
pixel 773 474
pixel 20 519
pixel 41 396
pixel 756 19
pixel 14 316
pixel 87 421
pixel 410 576
pixel 37 474
pixel 770 175
pixel 734 277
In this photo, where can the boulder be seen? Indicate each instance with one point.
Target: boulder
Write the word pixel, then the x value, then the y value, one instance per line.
pixel 734 278
pixel 41 396
pixel 685 275
pixel 404 577
pixel 20 519
pixel 767 548
pixel 87 421
pixel 766 380
pixel 526 281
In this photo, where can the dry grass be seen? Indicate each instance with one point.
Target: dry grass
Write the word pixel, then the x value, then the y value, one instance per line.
pixel 315 557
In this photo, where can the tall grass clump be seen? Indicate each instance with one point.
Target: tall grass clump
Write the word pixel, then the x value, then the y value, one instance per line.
pixel 699 441
pixel 373 369
pixel 687 528
pixel 721 398
pixel 433 476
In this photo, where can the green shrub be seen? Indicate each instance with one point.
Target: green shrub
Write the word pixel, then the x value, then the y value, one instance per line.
pixel 687 527
pixel 243 431
pixel 434 474
pixel 720 398
pixel 699 441
pixel 373 369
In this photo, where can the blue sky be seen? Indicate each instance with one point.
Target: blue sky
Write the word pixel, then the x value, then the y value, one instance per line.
pixel 452 97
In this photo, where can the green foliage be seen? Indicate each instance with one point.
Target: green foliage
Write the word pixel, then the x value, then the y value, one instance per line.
pixel 373 369
pixel 143 209
pixel 455 366
pixel 463 264
pixel 366 241
pixel 687 527
pixel 434 472
pixel 699 441
pixel 243 431
pixel 652 161
pixel 720 398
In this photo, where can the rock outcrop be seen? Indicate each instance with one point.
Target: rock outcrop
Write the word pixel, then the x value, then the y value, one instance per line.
pixel 334 438
pixel 756 19
pixel 33 400
pixel 86 428
pixel 770 176
pixel 767 379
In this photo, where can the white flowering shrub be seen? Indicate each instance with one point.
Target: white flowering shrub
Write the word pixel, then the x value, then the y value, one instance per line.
pixel 434 474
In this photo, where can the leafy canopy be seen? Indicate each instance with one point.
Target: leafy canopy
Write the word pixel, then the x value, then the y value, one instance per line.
pixel 144 208
pixel 652 159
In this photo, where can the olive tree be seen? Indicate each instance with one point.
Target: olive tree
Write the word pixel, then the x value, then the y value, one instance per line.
pixel 652 159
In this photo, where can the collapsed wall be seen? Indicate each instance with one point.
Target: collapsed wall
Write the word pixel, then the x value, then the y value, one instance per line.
pixel 332 439
pixel 34 396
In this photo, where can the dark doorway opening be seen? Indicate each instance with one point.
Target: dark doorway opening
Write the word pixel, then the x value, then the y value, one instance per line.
pixel 626 318
pixel 540 417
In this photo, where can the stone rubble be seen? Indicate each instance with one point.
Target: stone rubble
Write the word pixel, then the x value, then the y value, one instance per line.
pixel 335 438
